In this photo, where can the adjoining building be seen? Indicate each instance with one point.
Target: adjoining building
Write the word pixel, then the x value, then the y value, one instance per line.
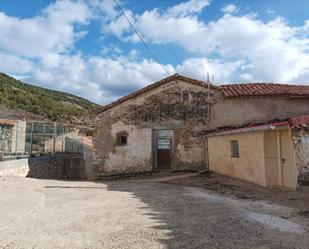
pixel 270 154
pixel 163 125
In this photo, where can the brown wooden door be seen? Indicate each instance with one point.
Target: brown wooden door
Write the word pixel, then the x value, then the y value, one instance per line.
pixel 164 153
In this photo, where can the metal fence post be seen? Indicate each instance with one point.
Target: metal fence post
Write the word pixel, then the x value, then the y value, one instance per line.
pixel 44 138
pixel 62 139
pixel 54 135
pixel 16 140
pixel 31 140
pixel 82 144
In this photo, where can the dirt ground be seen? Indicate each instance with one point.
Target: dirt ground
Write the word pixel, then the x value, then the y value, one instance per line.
pixel 152 212
pixel 243 190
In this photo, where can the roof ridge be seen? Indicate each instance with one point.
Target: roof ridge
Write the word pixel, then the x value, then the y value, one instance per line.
pixel 153 86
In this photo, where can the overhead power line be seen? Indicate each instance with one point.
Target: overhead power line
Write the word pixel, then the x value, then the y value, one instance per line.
pixel 140 37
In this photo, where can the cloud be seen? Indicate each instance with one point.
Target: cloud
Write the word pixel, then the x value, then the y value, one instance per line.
pixel 220 70
pixel 97 78
pixel 188 8
pixel 119 25
pixel 52 31
pixel 107 7
pixel 230 8
pixel 12 63
pixel 273 50
pixel 238 48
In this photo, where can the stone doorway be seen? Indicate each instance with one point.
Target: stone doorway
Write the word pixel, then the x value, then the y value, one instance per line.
pixel 163 140
pixel 164 153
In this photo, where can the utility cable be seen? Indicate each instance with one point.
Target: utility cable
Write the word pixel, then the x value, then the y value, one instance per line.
pixel 140 37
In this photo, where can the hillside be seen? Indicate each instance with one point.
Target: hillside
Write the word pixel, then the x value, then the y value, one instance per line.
pixel 40 102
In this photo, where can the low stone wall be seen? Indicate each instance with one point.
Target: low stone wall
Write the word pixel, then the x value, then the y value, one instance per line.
pixel 57 166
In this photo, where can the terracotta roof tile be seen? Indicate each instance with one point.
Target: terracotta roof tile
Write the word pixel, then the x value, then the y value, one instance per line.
pixel 263 90
pixel 299 121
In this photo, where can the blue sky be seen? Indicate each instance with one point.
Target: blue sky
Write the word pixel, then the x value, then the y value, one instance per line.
pixel 86 47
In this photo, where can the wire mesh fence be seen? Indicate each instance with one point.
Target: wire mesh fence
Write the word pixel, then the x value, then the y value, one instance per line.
pixel 19 138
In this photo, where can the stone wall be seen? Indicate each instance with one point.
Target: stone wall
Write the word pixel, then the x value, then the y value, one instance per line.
pixel 57 166
pixel 161 108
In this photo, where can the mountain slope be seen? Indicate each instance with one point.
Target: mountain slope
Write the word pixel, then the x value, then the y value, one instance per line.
pixel 49 104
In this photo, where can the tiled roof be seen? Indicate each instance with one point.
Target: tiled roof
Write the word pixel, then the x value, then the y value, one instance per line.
pixel 263 90
pixel 228 91
pixel 299 121
pixel 153 86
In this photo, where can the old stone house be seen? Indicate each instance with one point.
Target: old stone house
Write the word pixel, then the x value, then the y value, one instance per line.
pixel 157 127
pixel 162 126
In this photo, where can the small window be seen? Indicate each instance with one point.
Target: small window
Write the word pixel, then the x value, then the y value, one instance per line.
pixel 234 148
pixel 185 96
pixel 122 138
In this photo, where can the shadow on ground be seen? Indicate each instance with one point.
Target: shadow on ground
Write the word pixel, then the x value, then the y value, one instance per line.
pixel 193 222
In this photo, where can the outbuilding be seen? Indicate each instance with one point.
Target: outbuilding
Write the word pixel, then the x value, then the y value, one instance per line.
pixel 272 154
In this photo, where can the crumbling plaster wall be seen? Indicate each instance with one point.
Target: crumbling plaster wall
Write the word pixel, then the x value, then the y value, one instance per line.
pixel 190 151
pixel 6 138
pixel 300 137
pixel 161 108
pixel 12 136
pixel 235 112
pixel 136 156
pixel 19 134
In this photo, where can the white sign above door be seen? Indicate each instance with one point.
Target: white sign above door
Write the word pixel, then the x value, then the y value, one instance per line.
pixel 164 144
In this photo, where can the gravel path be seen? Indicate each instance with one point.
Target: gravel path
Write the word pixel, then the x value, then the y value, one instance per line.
pixel 139 214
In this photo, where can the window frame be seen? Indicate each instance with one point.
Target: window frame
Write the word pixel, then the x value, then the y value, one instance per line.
pixel 187 94
pixel 120 136
pixel 234 150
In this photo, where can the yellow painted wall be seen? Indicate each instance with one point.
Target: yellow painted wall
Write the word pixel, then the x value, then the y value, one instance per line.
pixel 250 165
